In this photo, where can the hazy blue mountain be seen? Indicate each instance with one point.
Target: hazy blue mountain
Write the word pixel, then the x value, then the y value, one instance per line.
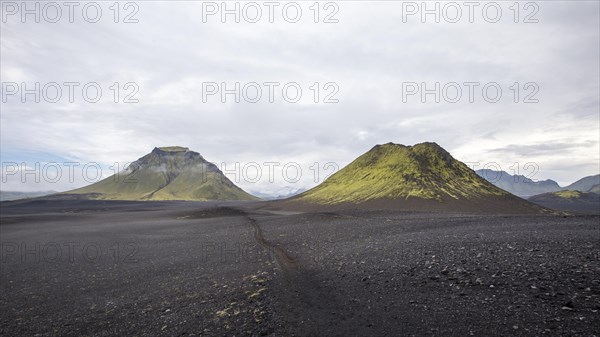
pixel 282 193
pixel 517 184
pixel 13 195
pixel 584 184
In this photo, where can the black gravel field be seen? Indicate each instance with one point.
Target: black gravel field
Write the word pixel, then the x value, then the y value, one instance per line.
pixel 106 268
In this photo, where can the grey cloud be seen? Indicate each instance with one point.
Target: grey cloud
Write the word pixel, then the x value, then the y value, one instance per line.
pixel 553 148
pixel 369 54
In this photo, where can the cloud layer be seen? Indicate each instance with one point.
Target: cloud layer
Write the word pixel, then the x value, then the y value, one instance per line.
pixel 368 54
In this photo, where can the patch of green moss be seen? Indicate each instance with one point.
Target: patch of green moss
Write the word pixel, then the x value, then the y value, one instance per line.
pixel 568 194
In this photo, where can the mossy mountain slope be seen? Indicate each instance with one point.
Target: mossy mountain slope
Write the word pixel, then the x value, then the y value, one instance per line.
pixel 420 177
pixel 167 173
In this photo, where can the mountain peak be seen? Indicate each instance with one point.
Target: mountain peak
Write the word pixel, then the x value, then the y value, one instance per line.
pixel 425 155
pixel 425 148
pixel 390 145
pixel 584 184
pixel 171 149
pixel 430 146
pixel 422 176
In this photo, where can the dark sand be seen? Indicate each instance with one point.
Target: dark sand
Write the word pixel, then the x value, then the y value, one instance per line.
pixel 234 269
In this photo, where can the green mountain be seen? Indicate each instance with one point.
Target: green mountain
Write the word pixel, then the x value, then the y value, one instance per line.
pixel 167 173
pixel 419 177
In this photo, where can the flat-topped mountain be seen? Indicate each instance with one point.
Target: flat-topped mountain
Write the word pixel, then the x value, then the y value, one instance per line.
pixel 167 173
pixel 420 177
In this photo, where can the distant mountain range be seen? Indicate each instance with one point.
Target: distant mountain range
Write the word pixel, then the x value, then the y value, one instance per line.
pixel 420 177
pixel 13 195
pixel 282 193
pixel 167 173
pixel 517 184
pixel 524 187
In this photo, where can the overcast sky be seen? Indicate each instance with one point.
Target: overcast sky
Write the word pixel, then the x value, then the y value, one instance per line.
pixel 370 55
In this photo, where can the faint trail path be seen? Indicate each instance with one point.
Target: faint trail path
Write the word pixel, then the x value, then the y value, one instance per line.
pixel 285 261
pixel 304 304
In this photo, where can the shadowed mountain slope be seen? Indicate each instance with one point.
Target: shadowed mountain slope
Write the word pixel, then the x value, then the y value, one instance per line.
pixel 570 200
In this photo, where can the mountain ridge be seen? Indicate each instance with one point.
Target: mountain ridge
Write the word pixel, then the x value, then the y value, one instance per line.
pixel 518 185
pixel 570 201
pixel 585 184
pixel 525 187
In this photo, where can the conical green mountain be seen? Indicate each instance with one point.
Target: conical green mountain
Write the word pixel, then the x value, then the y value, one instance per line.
pixel 419 177
pixel 167 173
